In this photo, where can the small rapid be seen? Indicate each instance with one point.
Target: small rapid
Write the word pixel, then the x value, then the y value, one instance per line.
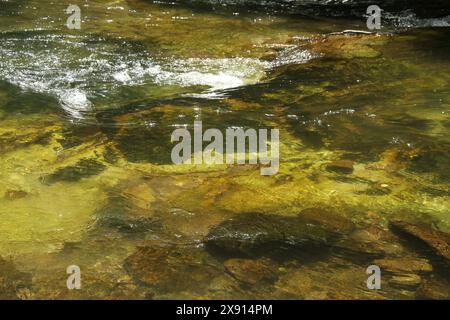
pixel 80 72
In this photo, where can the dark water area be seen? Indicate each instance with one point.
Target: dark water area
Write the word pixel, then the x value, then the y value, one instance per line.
pixel 87 179
pixel 315 8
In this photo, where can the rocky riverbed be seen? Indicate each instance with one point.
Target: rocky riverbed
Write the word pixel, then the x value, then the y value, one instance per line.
pixel 87 179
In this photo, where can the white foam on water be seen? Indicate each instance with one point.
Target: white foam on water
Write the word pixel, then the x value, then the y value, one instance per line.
pixel 122 76
pixel 219 81
pixel 75 74
pixel 74 102
pixel 215 75
pixel 227 73
pixel 408 19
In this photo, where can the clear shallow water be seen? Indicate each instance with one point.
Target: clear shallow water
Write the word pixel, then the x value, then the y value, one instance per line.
pixel 86 117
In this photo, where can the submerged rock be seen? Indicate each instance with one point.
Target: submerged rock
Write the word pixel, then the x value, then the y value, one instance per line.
pixel 432 159
pixel 400 265
pixel 130 225
pixel 341 166
pixel 407 281
pixel 15 194
pixel 329 219
pixel 12 282
pixel 11 140
pixel 170 268
pixel 82 169
pixel 252 234
pixel 122 215
pixel 140 195
pixel 378 190
pixel 315 281
pixel 438 241
pixel 436 289
pixel 348 45
pixel 370 241
pixel 251 271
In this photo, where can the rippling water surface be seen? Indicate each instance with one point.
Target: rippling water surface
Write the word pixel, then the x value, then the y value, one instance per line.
pixel 86 176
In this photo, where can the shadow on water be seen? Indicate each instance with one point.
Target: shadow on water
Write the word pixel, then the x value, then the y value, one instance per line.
pixel 342 8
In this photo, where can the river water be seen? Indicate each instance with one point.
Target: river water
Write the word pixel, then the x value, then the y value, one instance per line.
pixel 86 176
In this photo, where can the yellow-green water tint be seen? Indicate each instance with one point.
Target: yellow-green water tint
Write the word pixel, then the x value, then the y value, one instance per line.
pixel 89 188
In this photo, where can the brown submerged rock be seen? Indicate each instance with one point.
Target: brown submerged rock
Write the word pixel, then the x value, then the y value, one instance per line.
pixel 328 218
pixel 141 195
pixel 438 241
pixel 251 271
pixel 436 289
pixel 371 241
pixel 341 166
pixel 401 265
pixel 15 194
pixel 315 282
pixel 407 281
pixel 252 234
pixel 348 45
pixel 13 283
pixel 170 268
